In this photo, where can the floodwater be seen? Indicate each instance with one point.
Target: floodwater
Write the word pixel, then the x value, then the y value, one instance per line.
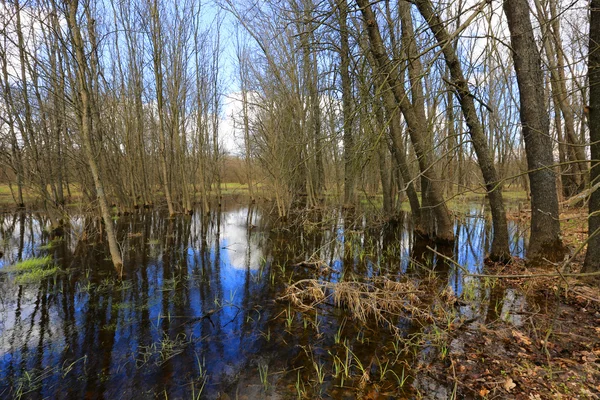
pixel 196 313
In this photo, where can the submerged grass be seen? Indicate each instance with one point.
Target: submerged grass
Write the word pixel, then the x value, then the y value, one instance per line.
pixel 31 264
pixel 32 269
pixel 372 359
pixel 36 275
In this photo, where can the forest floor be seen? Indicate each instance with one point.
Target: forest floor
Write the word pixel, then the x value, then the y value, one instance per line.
pixel 546 347
pixel 31 198
pixel 457 202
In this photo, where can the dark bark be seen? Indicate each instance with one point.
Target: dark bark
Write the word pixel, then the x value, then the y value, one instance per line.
pixel 576 150
pixel 415 76
pixel 545 240
pixel 592 257
pixel 399 153
pixel 385 173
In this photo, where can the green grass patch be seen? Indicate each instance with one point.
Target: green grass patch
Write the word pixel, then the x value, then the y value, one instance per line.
pixel 31 195
pixel 35 275
pixel 32 269
pixel 459 202
pixel 30 264
pixel 50 244
pixel 4 190
pixel 514 195
pixel 232 188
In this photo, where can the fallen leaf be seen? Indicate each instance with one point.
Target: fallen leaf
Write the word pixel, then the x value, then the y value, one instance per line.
pixel 521 338
pixel 483 392
pixel 509 384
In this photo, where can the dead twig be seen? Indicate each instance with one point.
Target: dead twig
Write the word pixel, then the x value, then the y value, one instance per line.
pixel 516 276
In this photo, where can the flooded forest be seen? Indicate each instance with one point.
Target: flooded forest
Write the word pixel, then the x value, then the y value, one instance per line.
pixel 299 199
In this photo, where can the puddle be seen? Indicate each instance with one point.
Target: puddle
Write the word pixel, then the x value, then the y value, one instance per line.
pixel 196 312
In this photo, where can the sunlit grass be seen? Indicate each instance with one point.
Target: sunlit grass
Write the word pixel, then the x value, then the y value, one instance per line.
pixel 30 195
pixel 458 202
pixel 30 264
pixel 32 269
pixel 50 244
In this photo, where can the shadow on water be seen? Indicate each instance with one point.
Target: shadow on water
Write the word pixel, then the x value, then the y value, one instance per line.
pixel 196 312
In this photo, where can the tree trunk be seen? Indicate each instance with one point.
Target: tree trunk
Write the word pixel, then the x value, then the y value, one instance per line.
pixel 575 172
pixel 85 118
pixel 592 257
pixel 442 227
pixel 385 170
pixel 157 60
pixel 544 240
pixel 399 153
pixel 500 250
pixel 16 152
pixel 415 76
pixel 349 169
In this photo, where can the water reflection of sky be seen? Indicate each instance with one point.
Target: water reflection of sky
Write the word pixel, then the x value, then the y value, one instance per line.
pixel 240 247
pixel 473 242
pixel 195 289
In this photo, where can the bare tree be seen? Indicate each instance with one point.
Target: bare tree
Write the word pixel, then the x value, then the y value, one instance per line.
pixel 438 225
pixel 243 59
pixel 347 111
pixel 545 240
pixel 157 59
pixel 86 125
pixel 500 250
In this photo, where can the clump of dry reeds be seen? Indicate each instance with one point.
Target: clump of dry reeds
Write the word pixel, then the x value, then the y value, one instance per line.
pixel 378 298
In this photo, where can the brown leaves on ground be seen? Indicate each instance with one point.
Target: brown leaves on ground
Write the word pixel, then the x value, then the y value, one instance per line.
pixel 554 353
pixel 521 338
pixel 509 384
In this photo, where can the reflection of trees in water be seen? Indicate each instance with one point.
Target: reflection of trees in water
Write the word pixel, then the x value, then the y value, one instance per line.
pixel 180 277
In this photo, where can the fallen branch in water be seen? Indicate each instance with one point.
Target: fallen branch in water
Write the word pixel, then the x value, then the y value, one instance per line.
pixel 316 264
pixel 516 276
pixel 207 315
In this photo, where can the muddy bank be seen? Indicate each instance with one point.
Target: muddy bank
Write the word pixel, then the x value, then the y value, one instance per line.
pixel 536 341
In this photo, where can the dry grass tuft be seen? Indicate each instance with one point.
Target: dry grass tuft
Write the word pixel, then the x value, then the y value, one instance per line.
pixel 380 298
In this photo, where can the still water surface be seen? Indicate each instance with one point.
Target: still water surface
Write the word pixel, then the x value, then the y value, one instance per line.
pixel 196 314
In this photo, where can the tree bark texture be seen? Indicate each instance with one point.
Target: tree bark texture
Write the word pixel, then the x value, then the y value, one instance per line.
pixel 500 250
pixel 86 132
pixel 592 257
pixel 441 228
pixel 544 240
